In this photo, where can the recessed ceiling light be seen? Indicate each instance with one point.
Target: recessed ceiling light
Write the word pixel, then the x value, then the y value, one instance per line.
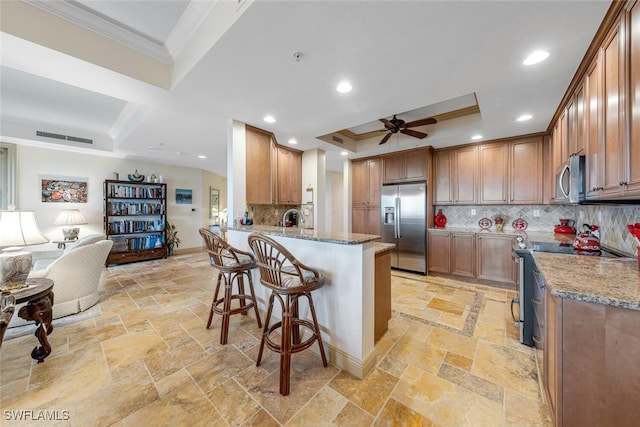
pixel 180 153
pixel 476 137
pixel 344 153
pixel 202 156
pixel 535 57
pixel 344 87
pixel 269 119
pixel 524 117
pixel 293 141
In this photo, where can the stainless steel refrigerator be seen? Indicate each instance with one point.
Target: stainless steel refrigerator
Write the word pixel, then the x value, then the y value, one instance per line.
pixel 404 222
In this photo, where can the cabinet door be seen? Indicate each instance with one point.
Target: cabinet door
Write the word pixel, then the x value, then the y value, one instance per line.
pixel 393 168
pixel 580 123
pixel 593 124
pixel 258 166
pixel 289 176
pixel 365 220
pixel 439 251
pixel 415 165
pixel 462 254
pixel 358 220
pixel 552 357
pixel 374 181
pixel 492 187
pixel 465 172
pixel 633 162
pixel 612 152
pixel 443 194
pixel 494 258
pixel 359 183
pixel 373 220
pixel 526 172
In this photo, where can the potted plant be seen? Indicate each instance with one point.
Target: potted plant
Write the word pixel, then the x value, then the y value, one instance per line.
pixel 172 237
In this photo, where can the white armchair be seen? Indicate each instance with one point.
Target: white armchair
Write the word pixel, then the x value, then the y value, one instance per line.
pixel 76 276
pixel 40 263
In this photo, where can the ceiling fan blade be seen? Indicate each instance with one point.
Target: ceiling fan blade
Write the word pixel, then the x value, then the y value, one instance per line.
pixel 387 124
pixel 385 139
pixel 422 122
pixel 414 133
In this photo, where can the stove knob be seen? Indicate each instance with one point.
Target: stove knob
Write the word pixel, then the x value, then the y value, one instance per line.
pixel 519 239
pixel 522 245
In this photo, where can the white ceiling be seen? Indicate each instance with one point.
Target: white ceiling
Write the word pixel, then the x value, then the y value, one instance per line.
pixel 399 56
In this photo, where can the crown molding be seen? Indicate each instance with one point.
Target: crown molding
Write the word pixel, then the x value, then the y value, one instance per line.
pixel 77 14
pixel 194 15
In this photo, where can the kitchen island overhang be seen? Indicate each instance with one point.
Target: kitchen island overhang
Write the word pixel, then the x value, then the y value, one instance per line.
pixel 345 304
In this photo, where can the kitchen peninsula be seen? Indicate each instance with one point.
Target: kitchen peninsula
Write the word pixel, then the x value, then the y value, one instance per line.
pixel 346 304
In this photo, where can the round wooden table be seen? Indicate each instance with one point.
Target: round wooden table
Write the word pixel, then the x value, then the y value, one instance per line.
pixel 38 294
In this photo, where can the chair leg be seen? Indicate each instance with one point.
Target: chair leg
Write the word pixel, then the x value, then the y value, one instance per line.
pixel 317 330
pixel 224 333
pixel 253 298
pixel 215 297
pixel 265 331
pixel 295 314
pixel 285 348
pixel 240 278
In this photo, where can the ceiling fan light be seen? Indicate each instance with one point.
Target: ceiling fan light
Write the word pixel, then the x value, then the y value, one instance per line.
pixel 536 57
pixel 344 87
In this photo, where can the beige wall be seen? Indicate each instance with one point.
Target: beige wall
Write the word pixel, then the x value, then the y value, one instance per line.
pixel 35 162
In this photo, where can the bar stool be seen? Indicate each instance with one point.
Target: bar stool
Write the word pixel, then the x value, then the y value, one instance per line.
pixel 232 265
pixel 288 279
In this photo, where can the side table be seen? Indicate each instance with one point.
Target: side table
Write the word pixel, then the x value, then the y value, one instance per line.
pixel 62 244
pixel 39 298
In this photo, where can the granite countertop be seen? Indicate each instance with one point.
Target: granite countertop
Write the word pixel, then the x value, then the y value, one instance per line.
pixel 380 247
pixel 308 234
pixel 532 236
pixel 610 281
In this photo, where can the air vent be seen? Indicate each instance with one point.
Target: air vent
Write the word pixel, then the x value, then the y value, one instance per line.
pixel 336 139
pixel 64 137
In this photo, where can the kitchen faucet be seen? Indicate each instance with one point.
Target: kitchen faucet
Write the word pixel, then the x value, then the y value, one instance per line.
pixel 284 216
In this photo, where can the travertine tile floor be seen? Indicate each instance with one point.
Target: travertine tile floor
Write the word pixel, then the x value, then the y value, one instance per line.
pixel 451 357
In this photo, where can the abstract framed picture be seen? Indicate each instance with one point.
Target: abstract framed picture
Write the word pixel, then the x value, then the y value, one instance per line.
pixel 63 189
pixel 183 196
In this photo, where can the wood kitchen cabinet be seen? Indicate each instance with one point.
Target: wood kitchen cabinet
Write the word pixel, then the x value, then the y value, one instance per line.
pixel 289 176
pixel 632 189
pixel 406 166
pixel 590 374
pixel 493 166
pixel 366 185
pixel 494 257
pixel 505 172
pixel 261 167
pixel 274 173
pixel 451 252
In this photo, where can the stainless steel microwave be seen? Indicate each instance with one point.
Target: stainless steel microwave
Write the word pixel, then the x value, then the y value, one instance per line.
pixel 570 180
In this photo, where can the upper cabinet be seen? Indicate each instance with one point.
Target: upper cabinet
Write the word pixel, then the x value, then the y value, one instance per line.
pixel 289 173
pixel 406 166
pixel 601 115
pixel 274 173
pixel 493 173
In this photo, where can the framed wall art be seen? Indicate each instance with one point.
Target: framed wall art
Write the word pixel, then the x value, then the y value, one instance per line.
pixel 214 210
pixel 63 189
pixel 183 196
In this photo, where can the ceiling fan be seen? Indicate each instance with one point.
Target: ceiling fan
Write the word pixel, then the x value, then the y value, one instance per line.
pixel 396 125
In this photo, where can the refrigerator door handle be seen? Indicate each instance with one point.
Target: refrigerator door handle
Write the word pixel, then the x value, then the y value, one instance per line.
pixel 398 216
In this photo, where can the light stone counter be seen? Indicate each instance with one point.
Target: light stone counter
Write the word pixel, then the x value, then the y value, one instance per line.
pixel 380 247
pixel 609 281
pixel 308 234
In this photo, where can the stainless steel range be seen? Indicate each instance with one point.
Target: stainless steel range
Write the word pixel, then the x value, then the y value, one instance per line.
pixel 527 308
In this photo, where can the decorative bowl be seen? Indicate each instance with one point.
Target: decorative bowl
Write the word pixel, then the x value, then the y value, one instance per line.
pixel 135 177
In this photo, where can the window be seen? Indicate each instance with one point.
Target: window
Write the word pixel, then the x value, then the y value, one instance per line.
pixel 7 175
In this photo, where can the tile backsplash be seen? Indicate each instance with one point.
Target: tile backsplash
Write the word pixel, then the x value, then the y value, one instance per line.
pixel 612 220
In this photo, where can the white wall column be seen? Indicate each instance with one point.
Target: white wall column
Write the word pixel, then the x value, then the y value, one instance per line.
pixel 236 170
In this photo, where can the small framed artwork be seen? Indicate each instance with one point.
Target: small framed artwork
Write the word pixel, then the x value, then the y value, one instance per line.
pixel 183 196
pixel 63 189
pixel 215 204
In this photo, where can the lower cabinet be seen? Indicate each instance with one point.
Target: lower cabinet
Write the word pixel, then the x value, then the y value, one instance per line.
pixel 591 374
pixel 484 256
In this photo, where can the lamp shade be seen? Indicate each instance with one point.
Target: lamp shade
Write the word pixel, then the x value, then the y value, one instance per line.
pixel 19 228
pixel 70 217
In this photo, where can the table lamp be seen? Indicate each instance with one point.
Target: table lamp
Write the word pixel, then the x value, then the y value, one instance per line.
pixel 17 228
pixel 70 217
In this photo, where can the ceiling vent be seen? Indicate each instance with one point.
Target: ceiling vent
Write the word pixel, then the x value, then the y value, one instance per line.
pixel 336 139
pixel 64 137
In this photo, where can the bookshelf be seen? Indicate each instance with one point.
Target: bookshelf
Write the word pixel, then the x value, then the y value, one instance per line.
pixel 134 219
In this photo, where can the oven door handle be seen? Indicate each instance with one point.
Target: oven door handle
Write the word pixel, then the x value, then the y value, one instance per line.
pixel 513 301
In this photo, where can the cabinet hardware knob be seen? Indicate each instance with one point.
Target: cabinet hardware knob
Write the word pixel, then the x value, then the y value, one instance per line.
pixel 623 183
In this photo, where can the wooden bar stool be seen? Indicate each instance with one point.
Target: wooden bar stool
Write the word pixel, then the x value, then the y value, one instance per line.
pixel 288 280
pixel 232 265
